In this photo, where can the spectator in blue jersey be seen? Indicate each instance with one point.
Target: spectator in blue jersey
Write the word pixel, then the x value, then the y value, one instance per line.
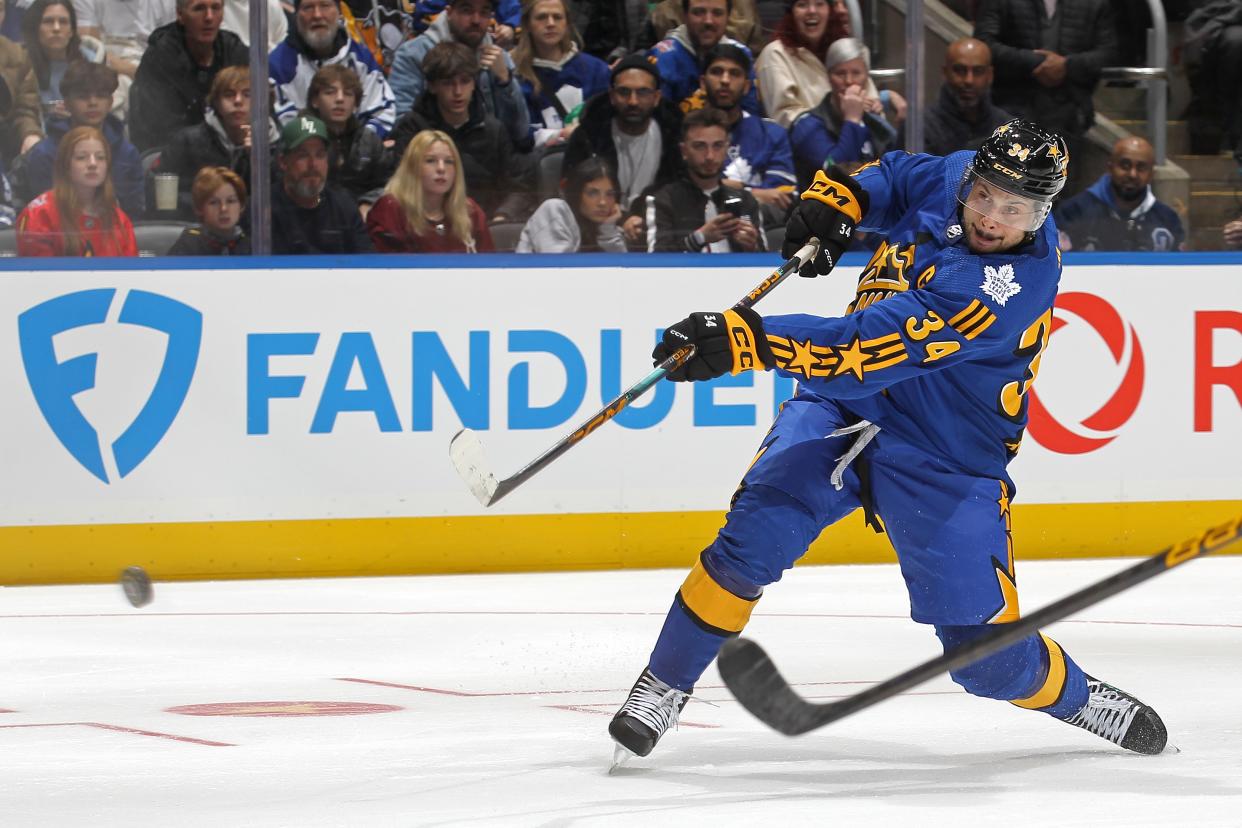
pixel 584 221
pixel 635 130
pixel 557 77
pixel 848 126
pixel 318 39
pixel 1120 212
pixel 466 22
pixel 88 89
pixel 505 20
pixel 679 57
pixel 760 159
pixel 965 115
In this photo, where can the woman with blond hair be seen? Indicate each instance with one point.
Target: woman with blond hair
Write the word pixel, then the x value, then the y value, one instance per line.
pixel 425 208
pixel 557 77
pixel 79 216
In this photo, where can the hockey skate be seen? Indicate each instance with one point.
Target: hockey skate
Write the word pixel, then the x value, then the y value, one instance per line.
pixel 651 708
pixel 1121 719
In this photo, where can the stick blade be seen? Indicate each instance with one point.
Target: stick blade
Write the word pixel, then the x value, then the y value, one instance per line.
pixel 466 452
pixel 753 679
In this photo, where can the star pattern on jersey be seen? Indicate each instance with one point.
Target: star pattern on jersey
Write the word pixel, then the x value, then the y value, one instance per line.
pixel 999 284
pixel 857 358
pixel 853 358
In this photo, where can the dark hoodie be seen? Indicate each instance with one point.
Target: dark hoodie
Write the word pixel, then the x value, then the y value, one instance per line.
pixel 946 128
pixel 498 177
pixel 39 164
pixel 170 88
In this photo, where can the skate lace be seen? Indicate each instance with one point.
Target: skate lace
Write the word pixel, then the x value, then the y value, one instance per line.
pixel 654 703
pixel 1107 713
pixel 866 431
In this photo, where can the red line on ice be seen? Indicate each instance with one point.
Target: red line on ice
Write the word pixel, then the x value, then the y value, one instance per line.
pixel 120 729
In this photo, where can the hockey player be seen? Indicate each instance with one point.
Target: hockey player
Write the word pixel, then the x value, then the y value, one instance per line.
pixel 910 406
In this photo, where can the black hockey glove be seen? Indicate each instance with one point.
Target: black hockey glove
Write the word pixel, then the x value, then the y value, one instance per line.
pixel 729 342
pixel 830 209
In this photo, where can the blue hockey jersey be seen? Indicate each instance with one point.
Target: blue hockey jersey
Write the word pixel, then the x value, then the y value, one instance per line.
pixel 679 69
pixel 759 154
pixel 586 73
pixel 508 12
pixel 940 345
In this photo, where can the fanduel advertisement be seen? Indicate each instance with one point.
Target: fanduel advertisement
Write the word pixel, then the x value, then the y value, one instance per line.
pixel 278 394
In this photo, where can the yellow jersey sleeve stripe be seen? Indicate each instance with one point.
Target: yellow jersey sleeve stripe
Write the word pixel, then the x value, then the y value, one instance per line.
pixel 980 328
pixel 713 604
pixel 1051 689
pixel 966 312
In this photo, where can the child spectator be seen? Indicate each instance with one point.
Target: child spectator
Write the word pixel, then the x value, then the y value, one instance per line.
pixel 425 208
pixel 219 199
pixel 556 76
pixel 50 31
pixel 360 164
pixel 79 216
pixel 221 140
pixel 585 221
pixel 88 89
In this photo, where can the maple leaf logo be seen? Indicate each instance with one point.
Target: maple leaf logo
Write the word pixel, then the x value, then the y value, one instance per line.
pixel 998 283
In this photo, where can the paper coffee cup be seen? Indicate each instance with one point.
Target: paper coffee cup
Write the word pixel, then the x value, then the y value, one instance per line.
pixel 166 191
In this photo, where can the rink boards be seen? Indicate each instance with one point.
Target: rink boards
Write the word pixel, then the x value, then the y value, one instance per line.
pixel 273 417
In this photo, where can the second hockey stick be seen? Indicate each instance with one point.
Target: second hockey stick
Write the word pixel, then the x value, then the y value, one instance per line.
pixel 753 679
pixel 466 450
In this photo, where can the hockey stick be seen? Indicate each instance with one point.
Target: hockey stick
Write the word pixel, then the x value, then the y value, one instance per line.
pixel 466 451
pixel 754 680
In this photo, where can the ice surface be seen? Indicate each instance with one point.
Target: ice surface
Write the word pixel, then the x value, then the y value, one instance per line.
pixel 502 686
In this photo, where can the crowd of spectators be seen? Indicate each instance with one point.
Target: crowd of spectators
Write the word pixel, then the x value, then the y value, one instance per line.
pixel 555 125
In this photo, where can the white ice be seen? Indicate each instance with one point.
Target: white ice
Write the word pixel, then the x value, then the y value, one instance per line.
pixel 503 685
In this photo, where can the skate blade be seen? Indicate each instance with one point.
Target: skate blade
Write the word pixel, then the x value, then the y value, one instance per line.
pixel 620 757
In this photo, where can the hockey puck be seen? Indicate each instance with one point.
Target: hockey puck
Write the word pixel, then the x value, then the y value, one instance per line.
pixel 137 586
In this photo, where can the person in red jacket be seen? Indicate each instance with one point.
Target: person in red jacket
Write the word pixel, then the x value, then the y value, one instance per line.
pixel 79 216
pixel 425 208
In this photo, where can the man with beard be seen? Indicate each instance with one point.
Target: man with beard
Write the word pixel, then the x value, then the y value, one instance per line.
pixel 679 56
pixel 1120 212
pixel 964 116
pixel 172 81
pixel 307 215
pixel 635 129
pixel 699 213
pixel 760 159
pixel 318 39
pixel 466 22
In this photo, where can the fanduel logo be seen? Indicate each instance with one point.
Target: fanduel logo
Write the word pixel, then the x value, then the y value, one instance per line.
pixel 56 383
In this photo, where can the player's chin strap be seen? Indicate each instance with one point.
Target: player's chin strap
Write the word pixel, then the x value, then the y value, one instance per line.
pixel 866 431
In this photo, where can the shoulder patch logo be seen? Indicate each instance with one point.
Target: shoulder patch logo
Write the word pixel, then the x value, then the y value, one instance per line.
pixel 998 283
pixel 953 232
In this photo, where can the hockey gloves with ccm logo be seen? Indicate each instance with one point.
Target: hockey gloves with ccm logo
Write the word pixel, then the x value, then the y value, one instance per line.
pixel 724 343
pixel 830 209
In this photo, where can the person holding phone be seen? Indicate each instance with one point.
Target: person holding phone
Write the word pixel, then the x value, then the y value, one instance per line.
pixel 698 212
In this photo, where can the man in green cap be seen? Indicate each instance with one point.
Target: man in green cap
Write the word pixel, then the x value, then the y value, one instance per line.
pixel 307 215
